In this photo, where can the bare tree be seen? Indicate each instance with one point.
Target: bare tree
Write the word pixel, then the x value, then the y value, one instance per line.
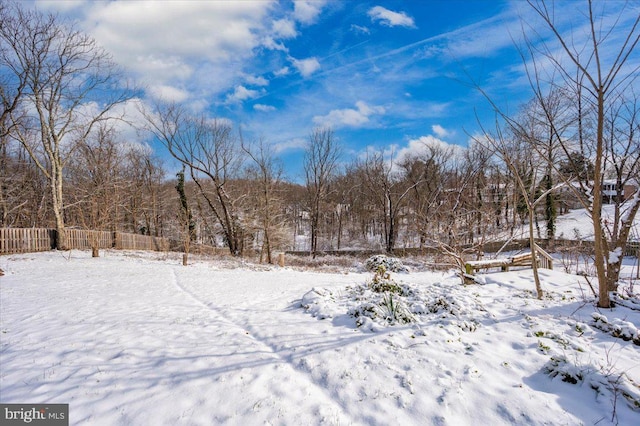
pixel 186 218
pixel 23 200
pixel 526 171
pixel 13 83
pixel 320 165
pixel 622 167
pixel 208 149
pixel 425 175
pixel 265 174
pixel 460 214
pixel 142 202
pixel 545 125
pixel 387 187
pixel 595 71
pixel 69 87
pixel 95 177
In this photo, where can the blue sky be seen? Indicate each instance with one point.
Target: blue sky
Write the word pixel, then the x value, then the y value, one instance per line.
pixel 383 74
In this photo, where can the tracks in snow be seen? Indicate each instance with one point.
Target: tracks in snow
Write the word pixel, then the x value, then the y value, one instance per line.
pixel 264 346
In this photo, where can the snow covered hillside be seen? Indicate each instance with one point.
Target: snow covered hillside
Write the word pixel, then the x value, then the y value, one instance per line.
pixel 137 339
pixel 577 225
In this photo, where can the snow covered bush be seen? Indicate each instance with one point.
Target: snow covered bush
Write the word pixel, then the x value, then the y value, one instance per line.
pixel 628 297
pixel 559 366
pixel 318 302
pixel 384 301
pixel 389 308
pixel 390 264
pixel 395 310
pixel 617 328
pixel 381 302
pixel 603 382
pixel 382 282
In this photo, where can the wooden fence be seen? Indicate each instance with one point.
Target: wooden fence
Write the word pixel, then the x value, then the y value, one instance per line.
pixel 29 240
pixel 26 240
pixel 123 241
pixel 81 239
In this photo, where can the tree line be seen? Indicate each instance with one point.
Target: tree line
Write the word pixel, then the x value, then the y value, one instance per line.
pixel 65 163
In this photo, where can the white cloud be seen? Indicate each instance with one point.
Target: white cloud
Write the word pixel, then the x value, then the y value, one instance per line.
pixel 122 117
pixel 178 43
pixel 389 18
pixel 359 29
pixel 220 121
pixel 307 11
pixel 241 93
pixel 257 80
pixel 280 29
pixel 62 6
pixel 289 145
pixel 306 67
pixel 419 147
pixel 349 117
pixel 440 131
pixel 269 43
pixel 282 72
pixel 168 93
pixel 284 28
pixel 264 108
pixel 132 29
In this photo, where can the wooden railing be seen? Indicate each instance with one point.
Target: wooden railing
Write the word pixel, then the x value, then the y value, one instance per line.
pixel 524 259
pixel 29 240
pixel 544 259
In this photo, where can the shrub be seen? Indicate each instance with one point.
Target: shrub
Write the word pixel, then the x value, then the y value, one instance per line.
pixel 382 282
pixel 389 263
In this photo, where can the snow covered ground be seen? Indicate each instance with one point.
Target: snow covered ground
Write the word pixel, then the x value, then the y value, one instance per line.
pixel 135 338
pixel 577 225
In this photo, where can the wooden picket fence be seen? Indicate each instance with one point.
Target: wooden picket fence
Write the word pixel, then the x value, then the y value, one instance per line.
pixel 29 240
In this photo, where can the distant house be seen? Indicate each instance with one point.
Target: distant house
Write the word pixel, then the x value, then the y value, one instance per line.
pixel 569 200
pixel 610 191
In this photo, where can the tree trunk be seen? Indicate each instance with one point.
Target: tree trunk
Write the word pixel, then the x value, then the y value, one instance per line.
pixel 267 246
pixel 600 244
pixel 391 240
pixel 534 256
pixel 58 208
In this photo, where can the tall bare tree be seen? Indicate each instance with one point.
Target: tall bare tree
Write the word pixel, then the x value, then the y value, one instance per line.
pixel 95 179
pixel 596 68
pixel 67 85
pixel 545 125
pixel 23 200
pixel 386 185
pixel 209 150
pixel 142 198
pixel 265 174
pixel 185 217
pixel 320 166
pixel 425 175
pixel 526 170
